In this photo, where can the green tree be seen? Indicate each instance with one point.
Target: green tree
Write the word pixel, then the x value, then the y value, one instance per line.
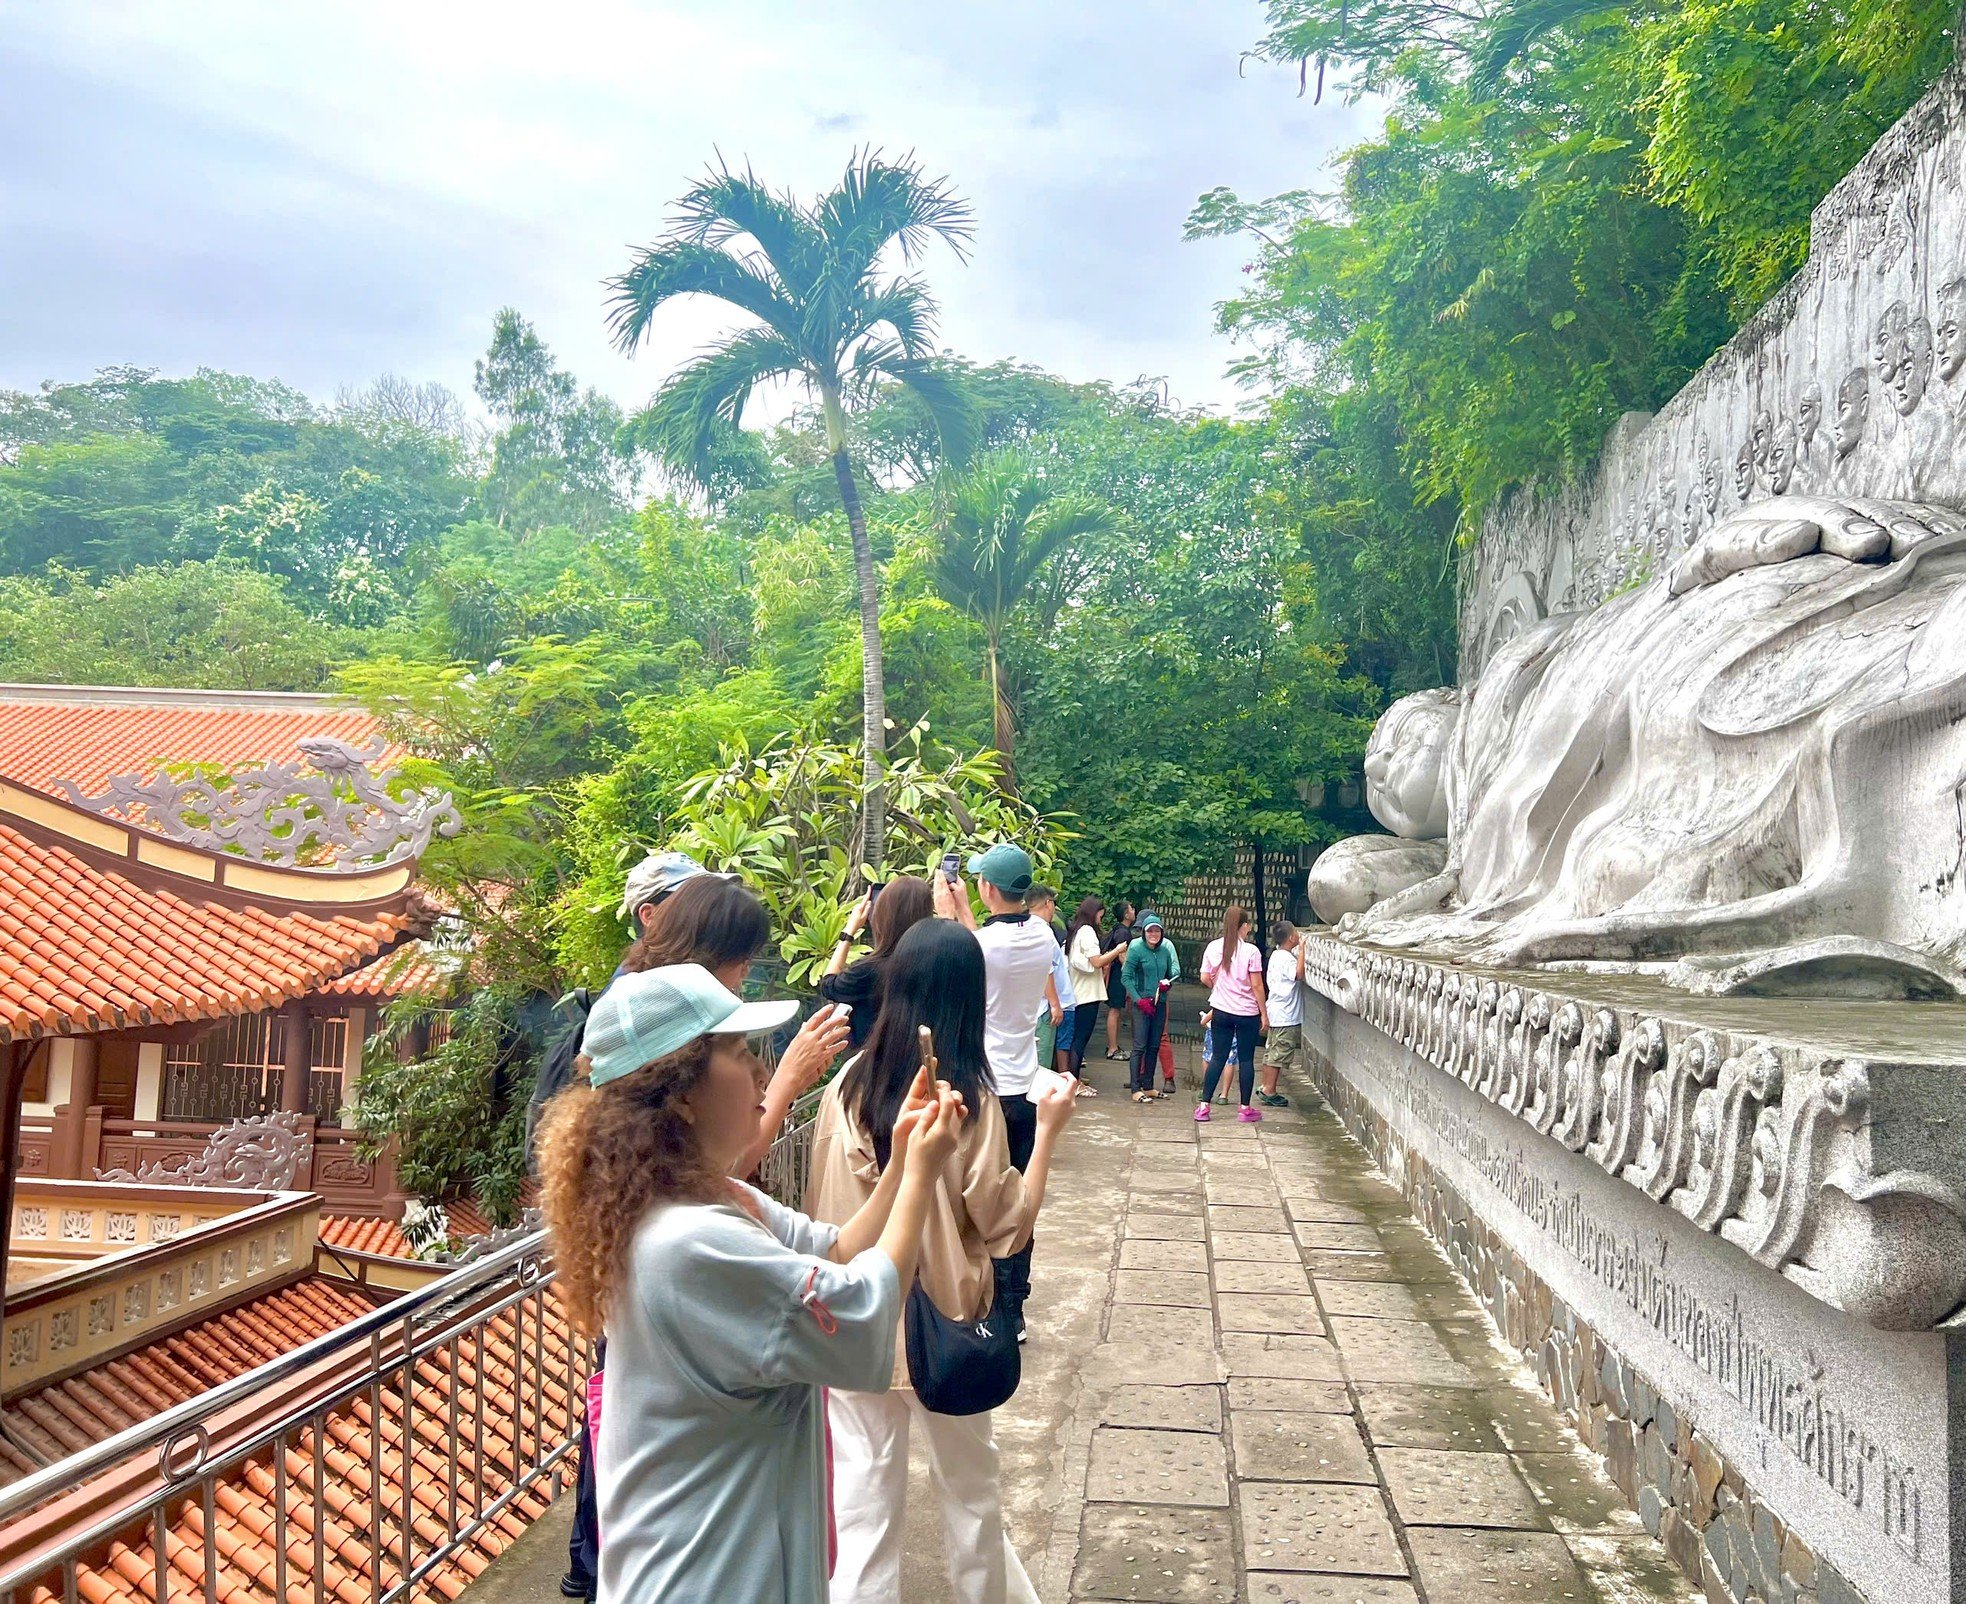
pixel 215 625
pixel 824 313
pixel 1002 524
pixel 556 458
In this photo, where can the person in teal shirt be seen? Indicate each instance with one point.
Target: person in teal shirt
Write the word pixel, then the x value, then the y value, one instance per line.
pixel 1149 969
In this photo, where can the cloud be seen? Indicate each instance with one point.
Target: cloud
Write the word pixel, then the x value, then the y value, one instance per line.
pixel 325 194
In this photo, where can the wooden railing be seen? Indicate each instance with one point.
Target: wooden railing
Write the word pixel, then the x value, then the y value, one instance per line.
pixel 331 1160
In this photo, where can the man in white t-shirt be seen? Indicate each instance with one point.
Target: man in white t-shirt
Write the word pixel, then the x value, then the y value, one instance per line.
pixel 1283 982
pixel 1017 970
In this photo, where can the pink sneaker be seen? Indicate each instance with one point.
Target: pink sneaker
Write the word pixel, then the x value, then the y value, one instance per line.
pixel 1202 1116
pixel 1250 1115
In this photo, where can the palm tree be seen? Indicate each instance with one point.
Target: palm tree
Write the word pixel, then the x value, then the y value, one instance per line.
pixel 822 313
pixel 1001 525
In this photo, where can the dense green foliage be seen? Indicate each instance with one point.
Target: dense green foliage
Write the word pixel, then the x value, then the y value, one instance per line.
pixel 1572 205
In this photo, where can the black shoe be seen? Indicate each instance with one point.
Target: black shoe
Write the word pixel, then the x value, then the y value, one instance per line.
pixel 572 1586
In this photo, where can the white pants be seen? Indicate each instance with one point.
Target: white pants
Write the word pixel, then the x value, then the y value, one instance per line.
pixel 870 1498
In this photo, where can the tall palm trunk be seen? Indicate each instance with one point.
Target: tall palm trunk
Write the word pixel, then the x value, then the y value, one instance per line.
pixel 1004 730
pixel 873 681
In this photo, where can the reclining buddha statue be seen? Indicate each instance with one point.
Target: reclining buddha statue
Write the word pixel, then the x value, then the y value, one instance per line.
pixel 1748 771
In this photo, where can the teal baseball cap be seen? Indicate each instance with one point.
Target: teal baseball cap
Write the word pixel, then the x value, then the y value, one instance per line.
pixel 1006 867
pixel 643 1017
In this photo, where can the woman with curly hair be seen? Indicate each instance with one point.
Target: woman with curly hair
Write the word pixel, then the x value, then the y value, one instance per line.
pixel 726 1313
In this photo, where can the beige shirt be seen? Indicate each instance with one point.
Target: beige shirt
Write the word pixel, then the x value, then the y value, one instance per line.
pixel 978 1213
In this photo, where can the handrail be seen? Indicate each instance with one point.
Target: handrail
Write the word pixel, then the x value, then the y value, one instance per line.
pixel 160 1430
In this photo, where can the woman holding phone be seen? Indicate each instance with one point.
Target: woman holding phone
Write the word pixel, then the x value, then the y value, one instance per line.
pixel 715 921
pixel 888 912
pixel 726 1313
pixel 982 1210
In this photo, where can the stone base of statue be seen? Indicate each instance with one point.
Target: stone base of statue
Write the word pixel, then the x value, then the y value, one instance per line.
pixel 1727 1234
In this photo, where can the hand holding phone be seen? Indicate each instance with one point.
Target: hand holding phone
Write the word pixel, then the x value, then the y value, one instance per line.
pixel 952 863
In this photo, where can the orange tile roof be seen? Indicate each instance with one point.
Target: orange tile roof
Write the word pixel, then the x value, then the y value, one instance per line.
pixel 367 1472
pixel 406 972
pixel 355 1234
pixel 86 948
pixel 89 734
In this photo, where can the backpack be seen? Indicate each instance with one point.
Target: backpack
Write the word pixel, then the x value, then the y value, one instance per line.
pixel 556 1069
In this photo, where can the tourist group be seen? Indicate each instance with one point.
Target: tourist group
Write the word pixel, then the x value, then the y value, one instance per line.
pixel 763 1369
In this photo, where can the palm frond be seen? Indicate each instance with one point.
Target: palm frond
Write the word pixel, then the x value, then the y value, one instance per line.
pixel 945 396
pixel 663 273
pixel 880 202
pixel 1516 26
pixel 682 424
pixel 902 305
pixel 723 206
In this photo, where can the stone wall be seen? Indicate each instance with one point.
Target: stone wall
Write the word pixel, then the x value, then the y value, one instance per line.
pixel 1850 382
pixel 1194 917
pixel 1782 1447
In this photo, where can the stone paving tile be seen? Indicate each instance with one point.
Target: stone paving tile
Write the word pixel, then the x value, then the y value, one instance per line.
pixel 1161 1287
pixel 1428 1417
pixel 1577 1495
pixel 1306 1211
pixel 1269 1311
pixel 1288 1358
pixel 1246 1218
pixel 1373 1300
pixel 1491 1567
pixel 1617 1568
pixel 1145 1254
pixel 1352 1238
pixel 1430 1487
pixel 1261 1275
pixel 1187 1468
pixel 1307 1526
pixel 1397 1350
pixel 1241 1195
pixel 1376 1401
pixel 1527 1422
pixel 1164 1227
pixel 1253 1245
pixel 1280 1445
pixel 1248 1393
pixel 1154 1408
pixel 1267 1588
pixel 1156 1556
pixel 1153 1329
pixel 1351 1266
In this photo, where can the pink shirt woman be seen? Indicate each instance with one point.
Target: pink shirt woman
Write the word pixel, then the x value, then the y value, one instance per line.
pixel 1232 991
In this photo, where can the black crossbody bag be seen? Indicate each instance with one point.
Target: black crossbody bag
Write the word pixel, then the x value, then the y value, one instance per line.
pixel 962 1367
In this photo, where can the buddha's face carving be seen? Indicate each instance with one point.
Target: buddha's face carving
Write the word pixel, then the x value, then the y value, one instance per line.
pixel 1407 762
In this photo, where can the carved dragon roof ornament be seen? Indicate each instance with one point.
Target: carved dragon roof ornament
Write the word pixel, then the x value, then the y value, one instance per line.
pixel 345 815
pixel 261 1154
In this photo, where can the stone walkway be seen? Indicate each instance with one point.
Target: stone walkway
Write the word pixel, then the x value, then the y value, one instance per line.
pixel 1252 1377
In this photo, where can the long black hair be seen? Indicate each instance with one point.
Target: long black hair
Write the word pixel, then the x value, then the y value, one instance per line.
pixel 935 978
pixel 1091 911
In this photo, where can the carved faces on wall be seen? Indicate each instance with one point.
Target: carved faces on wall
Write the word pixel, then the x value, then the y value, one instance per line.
pixel 1782 454
pixel 1744 471
pixel 1809 414
pixel 1902 356
pixel 1950 335
pixel 1852 410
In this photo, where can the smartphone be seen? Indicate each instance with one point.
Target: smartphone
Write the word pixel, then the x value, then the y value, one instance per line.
pixel 927 1039
pixel 874 894
pixel 952 863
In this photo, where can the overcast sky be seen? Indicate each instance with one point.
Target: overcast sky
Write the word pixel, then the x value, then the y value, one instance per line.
pixel 322 192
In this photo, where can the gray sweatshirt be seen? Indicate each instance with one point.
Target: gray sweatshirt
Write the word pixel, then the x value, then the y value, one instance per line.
pixel 710 1464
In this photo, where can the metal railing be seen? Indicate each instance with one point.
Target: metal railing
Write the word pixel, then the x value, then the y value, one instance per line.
pixel 389 1459
pixel 788 1164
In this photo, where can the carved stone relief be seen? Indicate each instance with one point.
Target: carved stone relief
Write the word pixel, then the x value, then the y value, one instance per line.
pixel 1850 382
pixel 262 1154
pixel 1766 1145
